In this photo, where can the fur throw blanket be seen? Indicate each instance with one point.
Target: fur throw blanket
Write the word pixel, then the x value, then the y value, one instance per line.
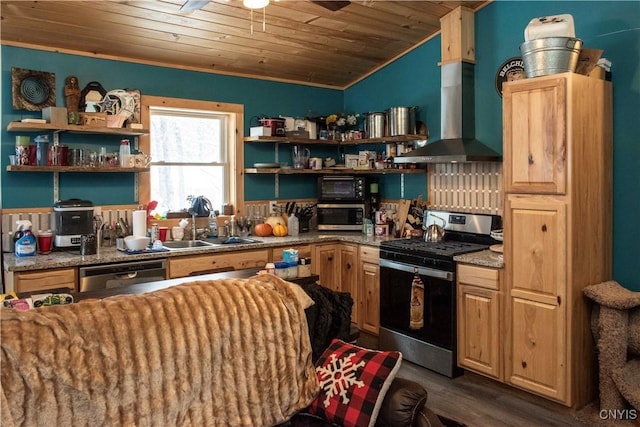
pixel 230 352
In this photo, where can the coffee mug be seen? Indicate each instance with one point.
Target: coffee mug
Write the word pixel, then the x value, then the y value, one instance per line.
pixel 177 233
pixel 315 163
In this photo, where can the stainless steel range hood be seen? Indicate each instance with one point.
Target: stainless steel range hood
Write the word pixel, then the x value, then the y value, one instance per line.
pixel 458 143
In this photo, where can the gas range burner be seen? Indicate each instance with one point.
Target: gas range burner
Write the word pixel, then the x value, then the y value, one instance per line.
pixel 443 249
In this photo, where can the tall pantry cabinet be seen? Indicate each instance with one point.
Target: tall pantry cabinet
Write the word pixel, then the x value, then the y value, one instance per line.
pixel 557 220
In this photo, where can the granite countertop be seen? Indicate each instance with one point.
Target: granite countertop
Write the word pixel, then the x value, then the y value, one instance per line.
pixel 107 255
pixel 486 258
pixel 71 258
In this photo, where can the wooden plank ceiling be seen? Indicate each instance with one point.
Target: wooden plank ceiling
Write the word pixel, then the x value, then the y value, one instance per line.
pixel 304 42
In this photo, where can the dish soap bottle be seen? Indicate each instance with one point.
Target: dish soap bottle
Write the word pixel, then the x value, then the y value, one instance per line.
pixel 26 244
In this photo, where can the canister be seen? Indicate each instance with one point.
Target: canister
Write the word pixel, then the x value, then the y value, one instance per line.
pixel 304 267
pixel 282 270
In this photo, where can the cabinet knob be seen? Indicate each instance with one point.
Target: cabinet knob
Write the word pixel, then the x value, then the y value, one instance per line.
pixel 348 266
pixel 330 258
pixel 530 159
pixel 524 364
pixel 544 228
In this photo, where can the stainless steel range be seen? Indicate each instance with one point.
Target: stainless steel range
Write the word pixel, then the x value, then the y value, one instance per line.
pixel 418 289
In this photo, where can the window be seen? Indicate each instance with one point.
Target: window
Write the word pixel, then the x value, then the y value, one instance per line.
pixel 193 151
pixel 188 157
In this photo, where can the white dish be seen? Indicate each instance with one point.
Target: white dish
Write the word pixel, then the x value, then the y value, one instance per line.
pixel 136 243
pixel 497 235
pixel 266 165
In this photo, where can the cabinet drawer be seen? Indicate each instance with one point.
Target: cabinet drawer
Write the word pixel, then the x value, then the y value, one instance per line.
pixel 369 254
pixel 204 264
pixel 304 251
pixel 44 280
pixel 479 276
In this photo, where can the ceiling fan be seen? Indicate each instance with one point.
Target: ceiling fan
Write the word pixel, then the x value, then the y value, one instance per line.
pixel 331 5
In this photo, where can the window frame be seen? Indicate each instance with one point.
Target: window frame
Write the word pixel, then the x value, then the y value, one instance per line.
pixel 234 146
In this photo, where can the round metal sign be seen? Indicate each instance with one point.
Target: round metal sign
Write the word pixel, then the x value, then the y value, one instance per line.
pixel 511 69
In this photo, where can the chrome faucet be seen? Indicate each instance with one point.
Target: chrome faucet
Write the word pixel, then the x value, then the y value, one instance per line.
pixel 193 227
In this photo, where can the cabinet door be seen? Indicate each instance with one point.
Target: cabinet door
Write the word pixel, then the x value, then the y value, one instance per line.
pixel 349 275
pixel 369 292
pixel 535 247
pixel 478 330
pixel 46 280
pixel 535 136
pixel 370 298
pixel 479 320
pixel 204 264
pixel 325 265
pixel 535 262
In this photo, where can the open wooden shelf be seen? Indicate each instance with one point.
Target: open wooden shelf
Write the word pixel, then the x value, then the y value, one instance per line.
pixel 288 140
pixel 330 171
pixel 37 127
pixel 28 168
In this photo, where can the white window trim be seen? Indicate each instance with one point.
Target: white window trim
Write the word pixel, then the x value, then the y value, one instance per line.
pixel 235 146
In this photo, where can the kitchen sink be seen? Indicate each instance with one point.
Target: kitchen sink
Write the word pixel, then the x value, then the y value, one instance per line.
pixel 232 240
pixel 186 244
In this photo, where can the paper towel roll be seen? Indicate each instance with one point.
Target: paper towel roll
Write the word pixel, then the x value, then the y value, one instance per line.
pixel 140 223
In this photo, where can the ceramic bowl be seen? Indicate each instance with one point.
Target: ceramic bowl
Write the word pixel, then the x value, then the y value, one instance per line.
pixel 136 243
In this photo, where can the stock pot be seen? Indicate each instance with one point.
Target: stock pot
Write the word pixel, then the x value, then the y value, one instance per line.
pixel 374 125
pixel 401 121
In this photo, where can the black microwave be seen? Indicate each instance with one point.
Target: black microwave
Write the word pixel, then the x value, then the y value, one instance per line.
pixel 341 189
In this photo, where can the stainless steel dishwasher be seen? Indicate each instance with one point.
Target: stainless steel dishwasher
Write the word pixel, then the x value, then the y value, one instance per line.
pixel 110 276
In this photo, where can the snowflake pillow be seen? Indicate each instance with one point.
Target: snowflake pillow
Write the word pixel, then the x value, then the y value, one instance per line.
pixel 353 382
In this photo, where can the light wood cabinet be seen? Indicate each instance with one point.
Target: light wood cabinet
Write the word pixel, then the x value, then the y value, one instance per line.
pixel 349 275
pixel 195 265
pixel 557 228
pixel 368 301
pixel 326 265
pixel 480 320
pixel 345 267
pixel 45 280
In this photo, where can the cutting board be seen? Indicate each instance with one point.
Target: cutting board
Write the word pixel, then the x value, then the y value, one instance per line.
pixel 403 211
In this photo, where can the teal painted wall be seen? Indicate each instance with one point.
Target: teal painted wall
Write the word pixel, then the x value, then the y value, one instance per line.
pixel 259 97
pixel 609 25
pixel 412 80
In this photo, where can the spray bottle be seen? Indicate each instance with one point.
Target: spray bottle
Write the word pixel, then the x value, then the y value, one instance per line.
pixel 25 244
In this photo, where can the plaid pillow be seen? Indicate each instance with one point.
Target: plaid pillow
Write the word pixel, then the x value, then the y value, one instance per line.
pixel 353 382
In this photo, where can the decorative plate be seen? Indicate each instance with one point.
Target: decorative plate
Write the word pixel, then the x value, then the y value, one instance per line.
pixel 32 90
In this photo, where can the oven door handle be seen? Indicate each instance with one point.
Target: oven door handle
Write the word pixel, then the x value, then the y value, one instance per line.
pixel 423 271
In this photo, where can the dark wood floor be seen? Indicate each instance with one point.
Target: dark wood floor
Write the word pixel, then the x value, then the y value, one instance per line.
pixel 478 401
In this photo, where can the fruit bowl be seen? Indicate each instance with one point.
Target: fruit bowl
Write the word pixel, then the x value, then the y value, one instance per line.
pixel 136 243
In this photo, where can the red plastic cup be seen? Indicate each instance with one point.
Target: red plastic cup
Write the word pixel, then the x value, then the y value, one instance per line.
pixel 45 240
pixel 162 233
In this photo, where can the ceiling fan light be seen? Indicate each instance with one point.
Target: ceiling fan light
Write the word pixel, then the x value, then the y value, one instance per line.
pixel 255 4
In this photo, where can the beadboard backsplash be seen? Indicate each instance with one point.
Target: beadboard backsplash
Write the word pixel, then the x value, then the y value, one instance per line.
pixel 466 187
pixel 46 220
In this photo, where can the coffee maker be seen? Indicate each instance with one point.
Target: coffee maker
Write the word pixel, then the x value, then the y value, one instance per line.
pixel 73 217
